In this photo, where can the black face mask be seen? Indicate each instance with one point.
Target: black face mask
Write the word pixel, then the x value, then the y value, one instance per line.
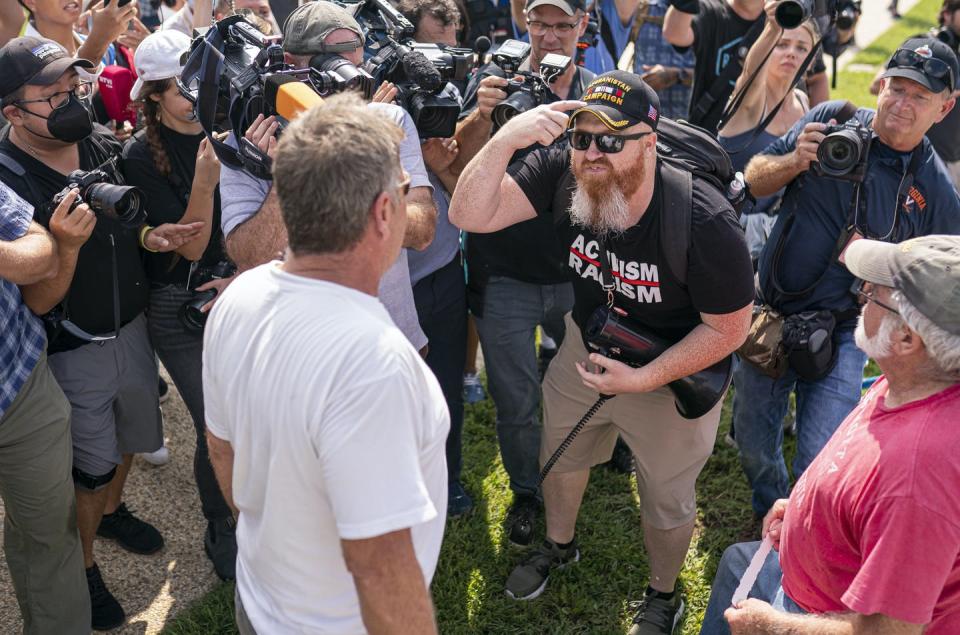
pixel 70 122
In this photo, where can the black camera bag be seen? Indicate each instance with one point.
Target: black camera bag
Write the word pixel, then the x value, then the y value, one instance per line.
pixel 807 341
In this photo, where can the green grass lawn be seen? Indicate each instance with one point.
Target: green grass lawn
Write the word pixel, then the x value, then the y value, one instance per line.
pixel 597 594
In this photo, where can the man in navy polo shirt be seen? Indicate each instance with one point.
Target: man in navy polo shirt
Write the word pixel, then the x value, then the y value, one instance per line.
pixel 906 192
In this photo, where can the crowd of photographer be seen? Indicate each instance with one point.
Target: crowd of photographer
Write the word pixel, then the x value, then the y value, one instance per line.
pixel 536 181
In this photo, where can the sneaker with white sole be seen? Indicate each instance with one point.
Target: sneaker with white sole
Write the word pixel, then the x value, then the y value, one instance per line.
pixel 473 391
pixel 160 456
pixel 528 580
pixel 658 615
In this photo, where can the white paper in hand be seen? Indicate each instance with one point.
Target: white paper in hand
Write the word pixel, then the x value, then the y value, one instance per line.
pixel 753 571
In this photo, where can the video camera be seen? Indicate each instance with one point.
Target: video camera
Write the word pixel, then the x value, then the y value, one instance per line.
pixel 419 71
pixel 531 89
pixel 121 203
pixel 843 152
pixel 792 13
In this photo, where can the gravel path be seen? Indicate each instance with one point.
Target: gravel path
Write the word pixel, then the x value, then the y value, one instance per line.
pixel 150 588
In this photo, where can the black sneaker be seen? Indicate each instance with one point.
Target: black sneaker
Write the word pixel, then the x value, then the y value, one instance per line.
pixel 106 613
pixel 220 543
pixel 132 533
pixel 163 389
pixel 528 580
pixel 658 616
pixel 622 459
pixel 521 519
pixel 458 501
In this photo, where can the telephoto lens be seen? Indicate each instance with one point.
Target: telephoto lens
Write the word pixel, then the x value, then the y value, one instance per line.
pixel 792 13
pixel 119 202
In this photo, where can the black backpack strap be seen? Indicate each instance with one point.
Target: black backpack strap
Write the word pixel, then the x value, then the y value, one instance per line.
pixel 607 36
pixel 720 88
pixel 13 166
pixel 675 220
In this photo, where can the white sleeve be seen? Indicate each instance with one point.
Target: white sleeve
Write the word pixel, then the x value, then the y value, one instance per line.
pixel 368 448
pixel 411 157
pixel 213 412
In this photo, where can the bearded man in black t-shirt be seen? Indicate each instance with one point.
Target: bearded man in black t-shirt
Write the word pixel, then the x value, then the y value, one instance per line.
pixel 612 222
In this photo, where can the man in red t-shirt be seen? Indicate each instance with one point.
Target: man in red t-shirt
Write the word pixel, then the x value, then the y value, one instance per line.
pixel 869 540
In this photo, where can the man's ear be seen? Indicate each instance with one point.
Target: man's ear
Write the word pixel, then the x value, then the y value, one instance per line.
pixel 948 104
pixel 584 20
pixel 906 341
pixel 12 113
pixel 381 214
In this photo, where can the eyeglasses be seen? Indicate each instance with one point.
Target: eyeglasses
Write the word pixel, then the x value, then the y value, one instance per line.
pixel 864 290
pixel 81 90
pixel 606 142
pixel 560 29
pixel 404 185
pixel 930 66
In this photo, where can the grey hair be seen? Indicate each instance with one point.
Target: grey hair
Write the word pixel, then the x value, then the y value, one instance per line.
pixel 331 164
pixel 943 348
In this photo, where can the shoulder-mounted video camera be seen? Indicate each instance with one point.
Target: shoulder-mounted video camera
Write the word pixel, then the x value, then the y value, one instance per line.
pixel 419 71
pixel 525 89
pixel 121 203
pixel 843 152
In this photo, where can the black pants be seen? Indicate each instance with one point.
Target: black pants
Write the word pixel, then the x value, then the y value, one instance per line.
pixel 442 309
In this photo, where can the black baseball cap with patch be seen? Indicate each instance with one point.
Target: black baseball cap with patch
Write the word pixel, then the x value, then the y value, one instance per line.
pixel 620 99
pixel 34 61
pixel 927 61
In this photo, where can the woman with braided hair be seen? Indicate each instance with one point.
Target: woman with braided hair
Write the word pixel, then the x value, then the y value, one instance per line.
pixel 178 172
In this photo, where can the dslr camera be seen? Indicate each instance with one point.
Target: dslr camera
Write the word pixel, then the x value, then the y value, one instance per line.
pixel 843 152
pixel 121 203
pixel 190 314
pixel 531 89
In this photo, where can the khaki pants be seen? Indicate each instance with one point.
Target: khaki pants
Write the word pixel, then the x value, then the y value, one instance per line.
pixel 40 537
pixel 669 450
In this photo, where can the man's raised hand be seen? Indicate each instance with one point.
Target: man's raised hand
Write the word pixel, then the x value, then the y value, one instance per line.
pixel 543 124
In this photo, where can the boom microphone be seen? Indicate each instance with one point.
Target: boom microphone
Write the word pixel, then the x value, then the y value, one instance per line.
pixel 418 69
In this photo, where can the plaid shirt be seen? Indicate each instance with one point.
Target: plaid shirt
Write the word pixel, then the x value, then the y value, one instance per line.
pixel 22 339
pixel 652 48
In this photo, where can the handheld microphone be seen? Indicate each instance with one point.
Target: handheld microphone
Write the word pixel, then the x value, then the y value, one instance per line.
pixel 480 46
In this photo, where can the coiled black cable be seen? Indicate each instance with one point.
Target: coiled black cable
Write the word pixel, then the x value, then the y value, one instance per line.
pixel 570 437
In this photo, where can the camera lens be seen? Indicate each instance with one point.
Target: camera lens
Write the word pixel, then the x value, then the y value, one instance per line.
pixel 839 152
pixel 434 116
pixel 190 314
pixel 119 202
pixel 518 102
pixel 792 13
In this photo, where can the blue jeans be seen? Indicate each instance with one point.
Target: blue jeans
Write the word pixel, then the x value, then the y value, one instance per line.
pixel 734 562
pixel 760 405
pixel 441 301
pixel 511 312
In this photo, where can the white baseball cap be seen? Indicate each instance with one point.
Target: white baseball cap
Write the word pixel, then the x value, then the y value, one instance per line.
pixel 158 57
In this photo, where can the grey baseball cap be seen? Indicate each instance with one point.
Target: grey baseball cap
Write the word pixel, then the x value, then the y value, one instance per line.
pixel 926 270
pixel 570 7
pixel 308 26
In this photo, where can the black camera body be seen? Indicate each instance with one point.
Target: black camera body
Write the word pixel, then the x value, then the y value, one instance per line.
pixel 190 314
pixel 844 151
pixel 525 89
pixel 121 203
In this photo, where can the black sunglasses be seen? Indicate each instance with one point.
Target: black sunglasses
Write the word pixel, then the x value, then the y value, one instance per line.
pixel 606 142
pixel 930 66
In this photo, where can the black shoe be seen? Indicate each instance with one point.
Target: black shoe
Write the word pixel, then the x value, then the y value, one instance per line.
pixel 132 533
pixel 163 389
pixel 458 501
pixel 622 459
pixel 220 543
pixel 106 612
pixel 528 580
pixel 521 519
pixel 657 615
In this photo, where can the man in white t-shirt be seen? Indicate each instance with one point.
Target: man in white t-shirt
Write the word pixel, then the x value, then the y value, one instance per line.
pixel 326 428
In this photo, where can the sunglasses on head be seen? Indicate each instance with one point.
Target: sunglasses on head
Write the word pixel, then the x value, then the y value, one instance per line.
pixel 606 142
pixel 930 66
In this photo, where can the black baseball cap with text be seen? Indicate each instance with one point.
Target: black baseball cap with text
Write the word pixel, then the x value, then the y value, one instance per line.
pixel 34 61
pixel 620 99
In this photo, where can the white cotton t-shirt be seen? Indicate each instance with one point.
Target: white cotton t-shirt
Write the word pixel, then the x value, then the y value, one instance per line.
pixel 338 429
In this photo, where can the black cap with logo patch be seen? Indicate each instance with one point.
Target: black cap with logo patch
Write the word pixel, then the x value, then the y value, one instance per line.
pixel 34 61
pixel 620 99
pixel 927 61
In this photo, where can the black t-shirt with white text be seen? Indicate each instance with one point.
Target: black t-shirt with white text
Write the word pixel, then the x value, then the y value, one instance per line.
pixel 719 273
pixel 90 296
